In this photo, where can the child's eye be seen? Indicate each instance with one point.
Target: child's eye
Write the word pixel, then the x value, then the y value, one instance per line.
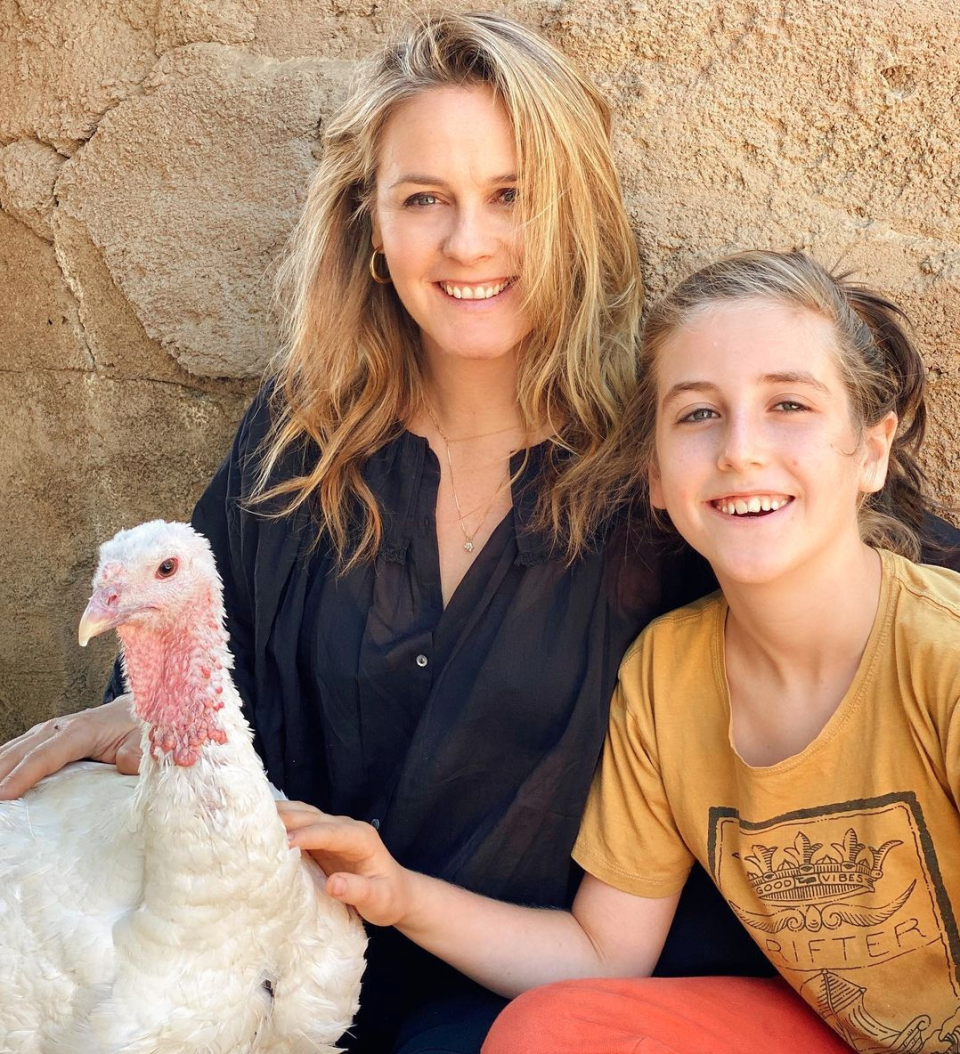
pixel 421 200
pixel 509 195
pixel 702 413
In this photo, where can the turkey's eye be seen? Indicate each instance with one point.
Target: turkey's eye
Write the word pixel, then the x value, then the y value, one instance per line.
pixel 168 568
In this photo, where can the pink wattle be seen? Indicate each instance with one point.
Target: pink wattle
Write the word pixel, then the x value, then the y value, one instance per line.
pixel 176 675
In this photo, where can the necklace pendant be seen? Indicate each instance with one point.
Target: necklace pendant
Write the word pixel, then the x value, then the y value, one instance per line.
pixel 468 545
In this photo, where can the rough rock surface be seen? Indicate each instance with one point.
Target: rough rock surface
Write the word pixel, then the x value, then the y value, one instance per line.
pixel 28 173
pixel 154 153
pixel 191 221
pixel 65 63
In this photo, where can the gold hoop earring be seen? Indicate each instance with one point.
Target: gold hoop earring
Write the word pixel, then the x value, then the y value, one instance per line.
pixel 374 273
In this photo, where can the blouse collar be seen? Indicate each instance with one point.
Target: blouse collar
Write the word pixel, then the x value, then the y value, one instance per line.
pixel 394 473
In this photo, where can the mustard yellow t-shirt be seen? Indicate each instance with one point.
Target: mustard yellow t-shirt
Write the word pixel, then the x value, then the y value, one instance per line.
pixel 843 861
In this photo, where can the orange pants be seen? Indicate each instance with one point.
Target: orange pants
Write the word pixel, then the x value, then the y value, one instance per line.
pixel 686 1015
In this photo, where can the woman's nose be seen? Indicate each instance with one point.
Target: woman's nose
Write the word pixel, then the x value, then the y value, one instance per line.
pixel 473 236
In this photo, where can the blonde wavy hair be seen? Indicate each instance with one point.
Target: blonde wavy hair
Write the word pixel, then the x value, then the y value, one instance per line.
pixel 349 374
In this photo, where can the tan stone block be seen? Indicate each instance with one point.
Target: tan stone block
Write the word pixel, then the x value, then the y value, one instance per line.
pixel 64 63
pixel 117 342
pixel 39 325
pixel 355 29
pixel 941 451
pixel 182 22
pixel 45 481
pixel 189 191
pixel 28 172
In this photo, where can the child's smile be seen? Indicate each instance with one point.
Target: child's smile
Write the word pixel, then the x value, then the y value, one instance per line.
pixel 750 504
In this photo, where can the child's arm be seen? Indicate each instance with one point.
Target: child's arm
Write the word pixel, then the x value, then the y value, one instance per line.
pixel 504 947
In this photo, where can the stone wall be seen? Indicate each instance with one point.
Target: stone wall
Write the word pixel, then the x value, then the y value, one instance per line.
pixel 153 155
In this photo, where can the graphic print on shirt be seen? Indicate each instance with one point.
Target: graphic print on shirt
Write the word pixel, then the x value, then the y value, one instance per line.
pixel 848 903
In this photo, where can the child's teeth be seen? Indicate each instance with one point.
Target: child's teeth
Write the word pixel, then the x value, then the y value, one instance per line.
pixel 754 504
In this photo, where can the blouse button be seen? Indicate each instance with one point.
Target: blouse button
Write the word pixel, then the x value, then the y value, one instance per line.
pixel 422 661
pixel 375 824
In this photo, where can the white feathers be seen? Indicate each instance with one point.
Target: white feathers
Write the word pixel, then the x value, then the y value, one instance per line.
pixel 166 913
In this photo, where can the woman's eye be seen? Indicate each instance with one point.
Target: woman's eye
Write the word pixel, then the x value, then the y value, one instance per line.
pixel 509 195
pixel 789 406
pixel 421 200
pixel 702 413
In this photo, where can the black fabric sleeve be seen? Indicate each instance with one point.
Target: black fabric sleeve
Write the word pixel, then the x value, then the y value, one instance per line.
pixel 115 684
pixel 232 529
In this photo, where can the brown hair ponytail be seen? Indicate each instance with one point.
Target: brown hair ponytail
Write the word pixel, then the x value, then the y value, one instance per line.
pixel 885 372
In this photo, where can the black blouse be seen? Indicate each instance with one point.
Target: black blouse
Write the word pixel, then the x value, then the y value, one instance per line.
pixel 468 735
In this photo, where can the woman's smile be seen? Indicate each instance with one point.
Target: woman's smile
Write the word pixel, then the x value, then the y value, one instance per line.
pixel 490 289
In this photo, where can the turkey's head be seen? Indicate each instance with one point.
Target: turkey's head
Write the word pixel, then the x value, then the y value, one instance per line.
pixel 152 577
pixel 157 585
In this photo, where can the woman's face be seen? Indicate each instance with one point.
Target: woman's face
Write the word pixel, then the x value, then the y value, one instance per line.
pixel 445 218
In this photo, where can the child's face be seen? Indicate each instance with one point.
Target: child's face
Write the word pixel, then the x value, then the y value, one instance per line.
pixel 752 414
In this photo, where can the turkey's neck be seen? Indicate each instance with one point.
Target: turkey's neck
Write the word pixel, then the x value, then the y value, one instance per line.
pixel 209 824
pixel 178 676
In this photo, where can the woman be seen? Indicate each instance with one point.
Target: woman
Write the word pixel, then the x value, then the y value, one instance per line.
pixel 428 568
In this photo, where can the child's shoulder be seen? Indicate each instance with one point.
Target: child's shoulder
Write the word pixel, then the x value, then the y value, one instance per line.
pixel 927 594
pixel 924 632
pixel 688 627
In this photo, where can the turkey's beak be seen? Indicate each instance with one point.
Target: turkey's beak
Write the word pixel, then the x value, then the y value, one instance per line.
pixel 101 614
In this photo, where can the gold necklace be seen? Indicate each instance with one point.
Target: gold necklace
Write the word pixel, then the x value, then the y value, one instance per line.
pixel 478 435
pixel 467 536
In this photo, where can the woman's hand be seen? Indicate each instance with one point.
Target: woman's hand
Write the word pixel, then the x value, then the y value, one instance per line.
pixel 359 869
pixel 107 733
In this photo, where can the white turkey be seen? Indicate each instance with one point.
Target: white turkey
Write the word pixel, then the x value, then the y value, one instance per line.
pixel 166 912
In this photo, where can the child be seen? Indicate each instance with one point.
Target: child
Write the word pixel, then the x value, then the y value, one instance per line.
pixel 795 734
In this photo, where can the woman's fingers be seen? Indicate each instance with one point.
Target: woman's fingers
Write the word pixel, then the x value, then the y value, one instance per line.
pixel 130 754
pixel 12 753
pixel 11 748
pixel 34 756
pixel 99 733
